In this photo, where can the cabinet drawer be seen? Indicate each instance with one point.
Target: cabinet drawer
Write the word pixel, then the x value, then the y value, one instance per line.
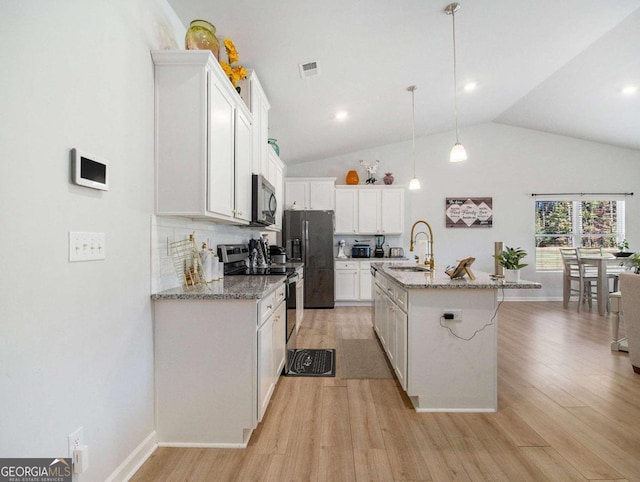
pixel 347 265
pixel 400 298
pixel 381 281
pixel 265 307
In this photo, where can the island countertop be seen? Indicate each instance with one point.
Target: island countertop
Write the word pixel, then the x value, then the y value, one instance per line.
pixel 228 288
pixel 438 279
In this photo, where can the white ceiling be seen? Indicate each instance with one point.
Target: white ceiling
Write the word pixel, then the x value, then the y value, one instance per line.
pixel 552 65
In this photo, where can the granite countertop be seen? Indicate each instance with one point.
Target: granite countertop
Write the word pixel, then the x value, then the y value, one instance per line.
pixel 228 288
pixel 438 279
pixel 372 259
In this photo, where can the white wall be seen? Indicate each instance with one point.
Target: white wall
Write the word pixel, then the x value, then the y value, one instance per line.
pixel 76 346
pixel 508 164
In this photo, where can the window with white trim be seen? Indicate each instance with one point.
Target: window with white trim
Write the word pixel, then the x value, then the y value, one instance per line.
pixel 576 224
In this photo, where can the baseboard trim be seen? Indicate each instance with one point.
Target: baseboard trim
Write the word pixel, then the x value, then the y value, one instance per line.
pixel 134 461
pixel 204 445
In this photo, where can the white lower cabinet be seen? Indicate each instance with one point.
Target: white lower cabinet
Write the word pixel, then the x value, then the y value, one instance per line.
pixel 266 383
pixel 299 299
pixel 271 347
pixel 352 280
pixel 390 324
pixel 216 366
pixel 346 281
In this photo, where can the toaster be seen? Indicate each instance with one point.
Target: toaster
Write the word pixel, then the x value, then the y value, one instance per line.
pixel 361 251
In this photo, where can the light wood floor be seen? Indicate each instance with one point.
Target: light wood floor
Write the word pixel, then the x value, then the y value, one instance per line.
pixel 569 410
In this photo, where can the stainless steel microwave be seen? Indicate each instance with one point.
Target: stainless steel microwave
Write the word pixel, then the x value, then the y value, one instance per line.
pixel 263 202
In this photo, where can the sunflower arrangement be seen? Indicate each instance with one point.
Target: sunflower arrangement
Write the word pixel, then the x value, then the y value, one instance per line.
pixel 234 72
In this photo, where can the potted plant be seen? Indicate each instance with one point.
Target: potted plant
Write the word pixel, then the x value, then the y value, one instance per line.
pixel 509 259
pixel 634 262
pixel 623 249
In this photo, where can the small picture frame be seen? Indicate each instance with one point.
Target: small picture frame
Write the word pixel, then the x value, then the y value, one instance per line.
pixel 461 269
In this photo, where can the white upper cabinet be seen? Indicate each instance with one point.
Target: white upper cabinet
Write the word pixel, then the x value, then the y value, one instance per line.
pixel 317 194
pixel 260 109
pixel 391 210
pixel 221 147
pixel 203 140
pixel 369 210
pixel 346 210
pixel 243 161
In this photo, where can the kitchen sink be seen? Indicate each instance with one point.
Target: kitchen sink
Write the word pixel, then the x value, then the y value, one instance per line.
pixel 415 269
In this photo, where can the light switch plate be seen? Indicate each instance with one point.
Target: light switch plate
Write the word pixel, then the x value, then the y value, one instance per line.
pixel 87 246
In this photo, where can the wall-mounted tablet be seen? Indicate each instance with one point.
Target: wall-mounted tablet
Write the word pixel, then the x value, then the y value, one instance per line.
pixel 89 170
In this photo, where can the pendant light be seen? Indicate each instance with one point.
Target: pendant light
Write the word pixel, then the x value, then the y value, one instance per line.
pixel 414 185
pixel 458 153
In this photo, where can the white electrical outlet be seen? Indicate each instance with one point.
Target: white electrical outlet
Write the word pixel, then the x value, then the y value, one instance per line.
pixel 87 246
pixel 457 314
pixel 75 440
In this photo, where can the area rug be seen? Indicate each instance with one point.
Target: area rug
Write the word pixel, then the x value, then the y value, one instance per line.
pixel 363 358
pixel 305 362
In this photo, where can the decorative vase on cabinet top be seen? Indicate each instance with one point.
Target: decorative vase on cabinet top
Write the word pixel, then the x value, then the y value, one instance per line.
pixel 388 178
pixel 353 178
pixel 273 143
pixel 201 35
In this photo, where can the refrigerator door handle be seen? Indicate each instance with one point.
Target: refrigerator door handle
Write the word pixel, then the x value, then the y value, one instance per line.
pixel 306 240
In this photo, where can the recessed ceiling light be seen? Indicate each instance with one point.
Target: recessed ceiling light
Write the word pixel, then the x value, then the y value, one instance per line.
pixel 470 86
pixel 342 115
pixel 629 89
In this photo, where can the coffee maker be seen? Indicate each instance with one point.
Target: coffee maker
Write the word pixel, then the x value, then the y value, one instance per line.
pixel 378 252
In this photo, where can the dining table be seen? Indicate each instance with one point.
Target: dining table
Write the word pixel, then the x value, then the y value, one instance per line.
pixel 602 263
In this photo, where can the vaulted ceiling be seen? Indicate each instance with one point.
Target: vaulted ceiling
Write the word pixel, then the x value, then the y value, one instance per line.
pixel 558 66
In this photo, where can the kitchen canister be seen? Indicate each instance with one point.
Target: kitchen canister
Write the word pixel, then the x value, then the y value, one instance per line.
pixel 215 267
pixel 205 259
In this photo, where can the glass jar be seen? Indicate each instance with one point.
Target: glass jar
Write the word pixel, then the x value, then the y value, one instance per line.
pixel 201 35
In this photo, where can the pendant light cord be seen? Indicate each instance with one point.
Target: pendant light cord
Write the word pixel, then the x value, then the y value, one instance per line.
pixel 455 74
pixel 413 127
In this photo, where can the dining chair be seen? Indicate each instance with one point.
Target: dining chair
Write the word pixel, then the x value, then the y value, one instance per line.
pixel 612 272
pixel 574 272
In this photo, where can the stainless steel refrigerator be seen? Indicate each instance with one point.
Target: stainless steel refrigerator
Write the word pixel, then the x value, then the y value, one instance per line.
pixel 308 237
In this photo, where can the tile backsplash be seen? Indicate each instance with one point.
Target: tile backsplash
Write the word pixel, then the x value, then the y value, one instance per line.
pixel 165 230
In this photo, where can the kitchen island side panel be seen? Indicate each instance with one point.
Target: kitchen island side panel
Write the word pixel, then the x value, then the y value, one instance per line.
pixel 206 380
pixel 445 373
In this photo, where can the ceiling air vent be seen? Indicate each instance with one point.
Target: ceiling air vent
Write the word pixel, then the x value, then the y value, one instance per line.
pixel 310 69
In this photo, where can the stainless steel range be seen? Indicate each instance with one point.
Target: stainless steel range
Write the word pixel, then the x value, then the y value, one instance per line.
pixel 236 263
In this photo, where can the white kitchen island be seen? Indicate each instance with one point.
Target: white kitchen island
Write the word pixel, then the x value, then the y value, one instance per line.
pixel 443 365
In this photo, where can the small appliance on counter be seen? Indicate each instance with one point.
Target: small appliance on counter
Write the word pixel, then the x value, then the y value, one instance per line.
pixel 361 249
pixel 341 244
pixel 378 252
pixel 396 252
pixel 278 254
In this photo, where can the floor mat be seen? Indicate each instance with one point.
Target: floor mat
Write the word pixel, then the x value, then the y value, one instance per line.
pixel 304 362
pixel 363 358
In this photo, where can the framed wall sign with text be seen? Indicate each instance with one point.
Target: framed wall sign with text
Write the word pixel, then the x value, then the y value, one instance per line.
pixel 471 212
